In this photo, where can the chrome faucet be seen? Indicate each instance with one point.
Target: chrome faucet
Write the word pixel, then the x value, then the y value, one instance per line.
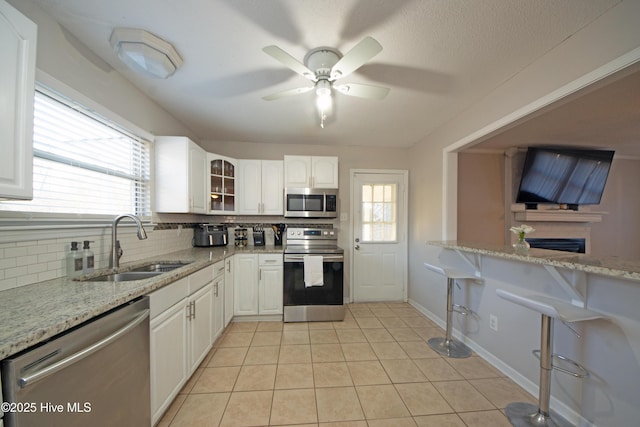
pixel 116 250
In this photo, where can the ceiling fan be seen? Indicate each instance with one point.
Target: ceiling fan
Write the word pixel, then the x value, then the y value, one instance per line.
pixel 323 66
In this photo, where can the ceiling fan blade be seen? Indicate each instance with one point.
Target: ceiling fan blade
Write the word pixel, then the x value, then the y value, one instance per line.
pixel 286 93
pixel 289 61
pixel 363 91
pixel 356 58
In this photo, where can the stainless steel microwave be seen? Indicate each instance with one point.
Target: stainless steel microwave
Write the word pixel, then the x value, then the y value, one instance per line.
pixel 311 203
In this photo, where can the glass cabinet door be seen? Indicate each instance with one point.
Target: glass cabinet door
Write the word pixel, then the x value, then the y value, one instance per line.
pixel 222 184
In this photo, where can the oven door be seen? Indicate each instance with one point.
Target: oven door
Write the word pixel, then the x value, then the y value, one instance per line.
pixel 297 294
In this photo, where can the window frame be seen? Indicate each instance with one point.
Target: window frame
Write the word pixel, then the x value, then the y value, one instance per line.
pixel 25 225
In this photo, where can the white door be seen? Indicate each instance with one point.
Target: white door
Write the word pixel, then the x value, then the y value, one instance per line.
pixel 379 208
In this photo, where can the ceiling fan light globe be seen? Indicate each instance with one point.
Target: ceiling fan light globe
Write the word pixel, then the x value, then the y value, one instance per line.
pixel 324 102
pixel 323 88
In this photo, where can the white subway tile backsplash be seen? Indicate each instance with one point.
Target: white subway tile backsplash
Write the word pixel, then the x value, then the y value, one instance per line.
pixel 26 262
pixel 16 272
pixel 15 252
pixel 7 263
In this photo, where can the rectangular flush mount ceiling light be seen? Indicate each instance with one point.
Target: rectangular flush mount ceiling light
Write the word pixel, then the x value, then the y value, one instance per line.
pixel 145 53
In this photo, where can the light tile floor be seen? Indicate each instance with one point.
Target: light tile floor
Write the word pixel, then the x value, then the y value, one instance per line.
pixel 374 369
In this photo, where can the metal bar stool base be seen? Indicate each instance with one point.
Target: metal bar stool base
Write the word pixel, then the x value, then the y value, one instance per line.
pixel 449 348
pixel 521 414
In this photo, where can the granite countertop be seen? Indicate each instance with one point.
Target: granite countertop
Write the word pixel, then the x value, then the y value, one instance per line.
pixel 606 266
pixel 31 314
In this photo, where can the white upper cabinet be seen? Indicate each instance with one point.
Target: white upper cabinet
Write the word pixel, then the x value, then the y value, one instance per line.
pixel 221 183
pixel 311 171
pixel 180 175
pixel 260 187
pixel 18 36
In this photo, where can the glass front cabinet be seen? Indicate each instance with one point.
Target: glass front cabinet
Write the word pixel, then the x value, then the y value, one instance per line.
pixel 222 184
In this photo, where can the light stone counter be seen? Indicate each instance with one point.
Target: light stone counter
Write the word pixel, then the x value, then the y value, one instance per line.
pixel 34 313
pixel 606 266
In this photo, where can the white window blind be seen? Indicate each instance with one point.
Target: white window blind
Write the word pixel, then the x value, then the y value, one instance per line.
pixel 84 164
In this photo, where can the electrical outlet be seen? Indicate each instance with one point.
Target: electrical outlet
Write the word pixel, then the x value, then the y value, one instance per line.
pixel 493 322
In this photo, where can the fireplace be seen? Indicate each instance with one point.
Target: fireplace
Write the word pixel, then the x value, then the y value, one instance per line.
pixel 577 245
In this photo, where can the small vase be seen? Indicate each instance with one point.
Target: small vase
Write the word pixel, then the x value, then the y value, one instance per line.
pixel 521 247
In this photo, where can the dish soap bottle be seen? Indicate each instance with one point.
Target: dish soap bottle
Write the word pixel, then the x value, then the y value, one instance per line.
pixel 87 258
pixel 74 261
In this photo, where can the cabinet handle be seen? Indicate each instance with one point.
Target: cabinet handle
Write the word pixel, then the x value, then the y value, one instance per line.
pixel 194 309
pixel 188 307
pixel 216 292
pixel 259 274
pixel 229 266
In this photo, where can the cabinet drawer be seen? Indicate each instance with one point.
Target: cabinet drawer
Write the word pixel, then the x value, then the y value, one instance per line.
pixel 270 259
pixel 218 269
pixel 167 296
pixel 200 278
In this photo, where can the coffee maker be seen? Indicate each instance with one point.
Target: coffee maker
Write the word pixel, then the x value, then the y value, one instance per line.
pixel 278 233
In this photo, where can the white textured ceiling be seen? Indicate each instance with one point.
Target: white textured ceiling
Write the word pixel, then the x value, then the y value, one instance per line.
pixel 439 57
pixel 604 115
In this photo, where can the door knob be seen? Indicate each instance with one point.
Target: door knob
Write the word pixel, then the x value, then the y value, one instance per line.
pixel 357 239
pixel 357 247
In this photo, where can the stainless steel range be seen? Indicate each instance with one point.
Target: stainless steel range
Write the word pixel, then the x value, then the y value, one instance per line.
pixel 313 275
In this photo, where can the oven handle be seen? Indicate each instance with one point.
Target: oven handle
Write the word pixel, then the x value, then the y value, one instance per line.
pixel 325 258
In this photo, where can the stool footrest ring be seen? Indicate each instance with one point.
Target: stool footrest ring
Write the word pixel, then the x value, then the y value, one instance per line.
pixel 461 309
pixel 579 372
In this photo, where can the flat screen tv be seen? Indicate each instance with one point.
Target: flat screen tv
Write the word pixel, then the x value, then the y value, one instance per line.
pixel 562 176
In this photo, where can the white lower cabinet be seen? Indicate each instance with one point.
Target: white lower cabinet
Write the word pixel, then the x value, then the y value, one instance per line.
pixel 169 358
pixel 217 321
pixel 258 284
pixel 200 325
pixel 228 291
pixel 182 331
pixel 245 284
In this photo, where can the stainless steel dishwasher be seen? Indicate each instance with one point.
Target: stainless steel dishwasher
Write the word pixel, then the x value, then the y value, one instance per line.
pixel 97 374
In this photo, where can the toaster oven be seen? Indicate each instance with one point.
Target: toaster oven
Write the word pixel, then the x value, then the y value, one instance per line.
pixel 208 235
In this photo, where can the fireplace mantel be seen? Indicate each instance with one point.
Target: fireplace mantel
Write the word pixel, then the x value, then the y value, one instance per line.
pixel 532 215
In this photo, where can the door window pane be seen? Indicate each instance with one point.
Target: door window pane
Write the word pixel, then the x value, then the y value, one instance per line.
pixel 379 207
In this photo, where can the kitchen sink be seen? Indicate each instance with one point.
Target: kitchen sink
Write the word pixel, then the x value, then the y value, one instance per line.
pixel 138 273
pixel 160 267
pixel 125 276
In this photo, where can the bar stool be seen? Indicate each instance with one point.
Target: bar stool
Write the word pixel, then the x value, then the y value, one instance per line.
pixel 526 414
pixel 447 345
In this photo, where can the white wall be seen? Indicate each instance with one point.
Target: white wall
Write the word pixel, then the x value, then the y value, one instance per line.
pixel 69 62
pixel 575 62
pixel 68 67
pixel 610 42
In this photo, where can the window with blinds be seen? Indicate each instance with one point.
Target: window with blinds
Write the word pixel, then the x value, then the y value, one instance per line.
pixel 84 164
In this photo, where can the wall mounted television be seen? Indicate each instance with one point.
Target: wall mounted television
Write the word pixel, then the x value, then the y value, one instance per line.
pixel 563 176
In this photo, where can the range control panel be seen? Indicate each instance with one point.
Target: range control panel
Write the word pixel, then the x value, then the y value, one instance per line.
pixel 307 233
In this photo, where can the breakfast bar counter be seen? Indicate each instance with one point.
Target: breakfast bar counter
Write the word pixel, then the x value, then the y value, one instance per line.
pixel 607 266
pixel 505 334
